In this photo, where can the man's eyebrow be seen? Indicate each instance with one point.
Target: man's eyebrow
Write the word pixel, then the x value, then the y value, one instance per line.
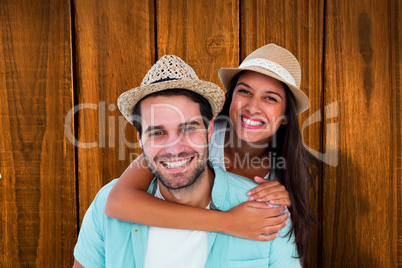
pixel 152 128
pixel 192 122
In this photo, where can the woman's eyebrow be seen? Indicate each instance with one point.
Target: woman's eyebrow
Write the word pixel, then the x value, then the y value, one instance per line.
pixel 244 84
pixel 272 92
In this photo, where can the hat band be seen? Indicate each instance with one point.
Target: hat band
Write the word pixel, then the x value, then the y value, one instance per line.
pixel 164 80
pixel 271 66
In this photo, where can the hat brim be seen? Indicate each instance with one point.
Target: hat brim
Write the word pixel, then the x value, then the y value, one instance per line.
pixel 210 91
pixel 226 76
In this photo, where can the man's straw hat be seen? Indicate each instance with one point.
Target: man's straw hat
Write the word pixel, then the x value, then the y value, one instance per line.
pixel 273 61
pixel 170 72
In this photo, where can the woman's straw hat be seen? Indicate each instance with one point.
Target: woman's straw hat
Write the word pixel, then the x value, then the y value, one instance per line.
pixel 170 72
pixel 276 62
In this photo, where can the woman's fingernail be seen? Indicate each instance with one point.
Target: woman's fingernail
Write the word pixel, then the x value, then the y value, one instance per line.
pixel 270 206
pixel 272 201
pixel 248 193
pixel 286 222
pixel 259 200
pixel 251 198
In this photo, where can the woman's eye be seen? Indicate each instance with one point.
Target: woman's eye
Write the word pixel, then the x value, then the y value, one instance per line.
pixel 244 91
pixel 271 99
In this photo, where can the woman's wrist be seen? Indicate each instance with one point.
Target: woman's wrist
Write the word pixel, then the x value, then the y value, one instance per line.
pixel 222 222
pixel 212 221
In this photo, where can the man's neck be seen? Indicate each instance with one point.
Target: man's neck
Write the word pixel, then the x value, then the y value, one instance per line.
pixel 197 196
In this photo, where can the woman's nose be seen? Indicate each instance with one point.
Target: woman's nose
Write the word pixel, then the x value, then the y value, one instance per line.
pixel 253 106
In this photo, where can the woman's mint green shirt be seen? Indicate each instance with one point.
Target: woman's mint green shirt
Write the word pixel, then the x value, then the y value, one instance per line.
pixel 107 242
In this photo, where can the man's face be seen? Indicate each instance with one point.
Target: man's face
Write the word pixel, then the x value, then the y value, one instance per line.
pixel 174 140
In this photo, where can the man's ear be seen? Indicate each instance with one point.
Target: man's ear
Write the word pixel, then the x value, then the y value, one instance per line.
pixel 210 129
pixel 139 139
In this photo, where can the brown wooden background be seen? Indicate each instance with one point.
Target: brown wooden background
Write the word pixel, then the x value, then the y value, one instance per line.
pixel 55 55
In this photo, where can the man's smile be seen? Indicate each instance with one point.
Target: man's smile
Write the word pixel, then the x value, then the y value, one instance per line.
pixel 174 164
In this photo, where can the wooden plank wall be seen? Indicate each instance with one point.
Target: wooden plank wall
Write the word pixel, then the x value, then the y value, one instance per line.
pixel 37 188
pixel 362 73
pixel 59 55
pixel 115 47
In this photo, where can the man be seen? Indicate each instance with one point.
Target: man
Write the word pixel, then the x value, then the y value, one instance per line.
pixel 173 111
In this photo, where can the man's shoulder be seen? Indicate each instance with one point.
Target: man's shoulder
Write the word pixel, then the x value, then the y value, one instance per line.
pixel 234 180
pixel 230 189
pixel 101 196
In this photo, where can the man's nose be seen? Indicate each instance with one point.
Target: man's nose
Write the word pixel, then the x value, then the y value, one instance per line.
pixel 175 144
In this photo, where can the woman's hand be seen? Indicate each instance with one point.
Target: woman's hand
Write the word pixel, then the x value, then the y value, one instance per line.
pixel 269 191
pixel 255 221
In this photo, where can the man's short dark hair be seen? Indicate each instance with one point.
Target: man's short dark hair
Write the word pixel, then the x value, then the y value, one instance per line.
pixel 205 106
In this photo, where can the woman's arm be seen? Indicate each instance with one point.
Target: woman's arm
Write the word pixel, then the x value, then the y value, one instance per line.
pixel 129 201
pixel 77 264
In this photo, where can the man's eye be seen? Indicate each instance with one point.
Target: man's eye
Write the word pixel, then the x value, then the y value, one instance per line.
pixel 156 133
pixel 188 129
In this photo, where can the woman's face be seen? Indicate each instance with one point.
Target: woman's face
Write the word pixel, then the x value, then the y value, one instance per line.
pixel 258 107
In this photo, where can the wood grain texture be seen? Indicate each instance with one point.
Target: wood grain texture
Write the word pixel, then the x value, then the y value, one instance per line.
pixel 395 164
pixel 349 53
pixel 115 49
pixel 37 199
pixel 362 218
pixel 297 26
pixel 205 34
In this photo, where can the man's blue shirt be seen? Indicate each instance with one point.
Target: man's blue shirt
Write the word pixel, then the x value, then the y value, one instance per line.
pixel 107 242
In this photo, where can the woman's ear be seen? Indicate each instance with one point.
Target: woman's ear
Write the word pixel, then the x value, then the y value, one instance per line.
pixel 285 120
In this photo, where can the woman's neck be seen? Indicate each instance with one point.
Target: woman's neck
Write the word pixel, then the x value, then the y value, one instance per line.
pixel 244 158
pixel 236 146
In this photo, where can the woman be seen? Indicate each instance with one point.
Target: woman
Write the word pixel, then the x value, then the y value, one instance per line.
pixel 256 135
